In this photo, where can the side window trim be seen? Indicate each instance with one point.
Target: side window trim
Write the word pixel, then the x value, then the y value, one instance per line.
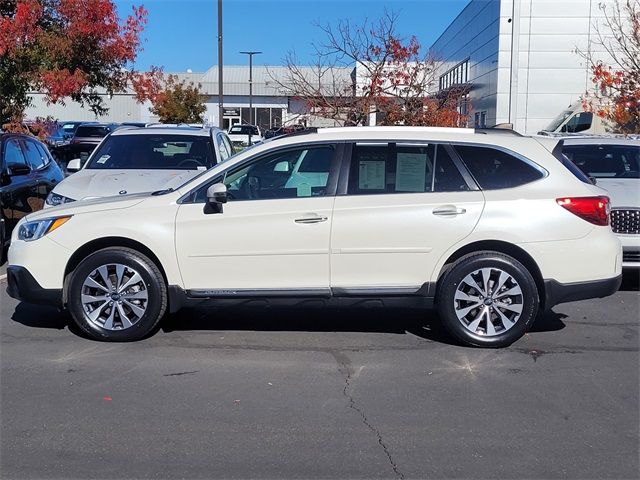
pixel 462 168
pixel 332 181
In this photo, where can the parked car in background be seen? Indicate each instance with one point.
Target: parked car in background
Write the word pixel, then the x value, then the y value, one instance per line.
pixel 132 160
pixel 244 135
pixel 284 130
pixel 489 228
pixel 614 163
pixel 27 174
pixel 87 137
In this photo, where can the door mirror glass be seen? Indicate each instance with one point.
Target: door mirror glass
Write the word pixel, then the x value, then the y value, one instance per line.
pixel 281 167
pixel 217 193
pixel 74 165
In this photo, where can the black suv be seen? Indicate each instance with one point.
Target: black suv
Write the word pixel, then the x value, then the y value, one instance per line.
pixel 28 173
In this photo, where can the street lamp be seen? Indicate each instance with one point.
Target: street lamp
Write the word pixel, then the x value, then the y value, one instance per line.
pixel 251 54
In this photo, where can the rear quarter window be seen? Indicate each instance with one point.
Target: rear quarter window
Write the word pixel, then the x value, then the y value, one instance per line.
pixel 495 169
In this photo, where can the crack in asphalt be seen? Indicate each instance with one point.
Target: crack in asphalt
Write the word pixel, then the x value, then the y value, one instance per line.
pixel 344 367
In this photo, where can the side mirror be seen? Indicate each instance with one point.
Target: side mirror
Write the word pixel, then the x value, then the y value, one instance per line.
pixel 74 165
pixel 281 167
pixel 593 180
pixel 216 197
pixel 17 170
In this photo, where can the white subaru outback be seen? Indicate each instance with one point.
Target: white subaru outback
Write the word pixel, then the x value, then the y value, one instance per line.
pixel 487 227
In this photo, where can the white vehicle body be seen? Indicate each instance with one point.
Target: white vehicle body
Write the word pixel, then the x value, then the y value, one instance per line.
pixel 325 242
pixel 239 134
pixel 576 119
pixel 89 182
pixel 621 181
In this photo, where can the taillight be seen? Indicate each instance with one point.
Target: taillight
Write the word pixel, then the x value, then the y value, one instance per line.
pixel 592 209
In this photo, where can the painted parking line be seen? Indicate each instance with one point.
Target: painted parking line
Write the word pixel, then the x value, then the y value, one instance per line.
pixel 3 277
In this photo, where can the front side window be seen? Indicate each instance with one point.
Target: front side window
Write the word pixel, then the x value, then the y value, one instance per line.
pixel 606 161
pixel 494 169
pixel 295 173
pixel 397 168
pixel 153 152
pixel 34 156
pixel 13 155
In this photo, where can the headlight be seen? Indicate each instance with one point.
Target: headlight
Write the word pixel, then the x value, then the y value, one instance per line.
pixel 30 231
pixel 54 199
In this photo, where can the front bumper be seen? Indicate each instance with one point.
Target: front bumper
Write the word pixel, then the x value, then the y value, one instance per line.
pixel 556 292
pixel 22 286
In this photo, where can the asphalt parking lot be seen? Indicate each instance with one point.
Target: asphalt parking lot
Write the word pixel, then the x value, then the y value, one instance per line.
pixel 278 393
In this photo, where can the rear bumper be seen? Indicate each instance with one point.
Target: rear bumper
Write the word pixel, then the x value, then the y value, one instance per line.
pixel 556 292
pixel 22 286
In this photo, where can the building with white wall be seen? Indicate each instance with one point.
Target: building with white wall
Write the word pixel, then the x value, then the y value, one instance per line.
pixel 518 58
pixel 272 108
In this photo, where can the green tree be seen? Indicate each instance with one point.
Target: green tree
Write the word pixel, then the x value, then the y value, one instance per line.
pixel 179 102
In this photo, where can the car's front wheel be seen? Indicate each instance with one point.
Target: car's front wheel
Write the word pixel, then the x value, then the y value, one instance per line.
pixel 117 294
pixel 488 299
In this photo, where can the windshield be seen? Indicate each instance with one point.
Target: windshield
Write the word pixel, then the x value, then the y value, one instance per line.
pixel 154 152
pixel 559 120
pixel 244 130
pixel 606 161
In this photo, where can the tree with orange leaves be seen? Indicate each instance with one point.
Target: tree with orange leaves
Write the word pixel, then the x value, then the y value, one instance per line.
pixel 391 78
pixel 616 94
pixel 73 49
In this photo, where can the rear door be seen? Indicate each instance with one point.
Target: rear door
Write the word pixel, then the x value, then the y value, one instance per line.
pixel 402 206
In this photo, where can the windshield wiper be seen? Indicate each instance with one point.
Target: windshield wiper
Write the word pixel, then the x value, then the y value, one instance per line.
pixel 162 192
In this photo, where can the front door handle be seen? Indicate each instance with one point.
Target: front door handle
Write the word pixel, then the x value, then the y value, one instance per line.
pixel 311 219
pixel 449 211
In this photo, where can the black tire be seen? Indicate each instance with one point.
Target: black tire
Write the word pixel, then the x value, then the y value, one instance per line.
pixel 504 333
pixel 152 282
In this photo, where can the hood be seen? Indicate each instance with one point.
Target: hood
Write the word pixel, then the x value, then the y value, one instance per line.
pixel 623 192
pixel 86 206
pixel 89 183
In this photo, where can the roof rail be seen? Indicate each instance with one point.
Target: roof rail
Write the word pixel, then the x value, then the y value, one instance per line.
pixel 499 129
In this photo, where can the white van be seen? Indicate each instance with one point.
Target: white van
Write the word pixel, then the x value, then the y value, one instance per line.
pixel 576 119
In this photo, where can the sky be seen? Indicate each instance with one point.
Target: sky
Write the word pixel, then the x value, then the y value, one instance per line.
pixel 182 34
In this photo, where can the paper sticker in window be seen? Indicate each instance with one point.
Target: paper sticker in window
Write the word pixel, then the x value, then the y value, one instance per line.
pixel 371 175
pixel 411 172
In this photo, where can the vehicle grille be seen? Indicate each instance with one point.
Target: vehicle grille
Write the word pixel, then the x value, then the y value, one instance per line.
pixel 631 256
pixel 625 221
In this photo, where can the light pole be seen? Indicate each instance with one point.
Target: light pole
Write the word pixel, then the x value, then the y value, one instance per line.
pixel 220 95
pixel 251 54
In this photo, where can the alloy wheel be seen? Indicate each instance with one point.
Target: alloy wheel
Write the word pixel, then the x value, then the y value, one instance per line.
pixel 488 302
pixel 114 297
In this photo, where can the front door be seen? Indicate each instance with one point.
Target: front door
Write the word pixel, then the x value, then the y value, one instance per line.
pixel 406 204
pixel 272 236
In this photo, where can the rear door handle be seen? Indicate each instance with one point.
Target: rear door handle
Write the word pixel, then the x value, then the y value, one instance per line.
pixel 449 211
pixel 311 219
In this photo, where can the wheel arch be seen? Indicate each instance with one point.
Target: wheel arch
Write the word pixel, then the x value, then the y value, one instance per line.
pixel 107 242
pixel 501 247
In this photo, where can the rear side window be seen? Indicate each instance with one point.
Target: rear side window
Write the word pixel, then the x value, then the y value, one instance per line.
pixel 494 169
pixel 397 168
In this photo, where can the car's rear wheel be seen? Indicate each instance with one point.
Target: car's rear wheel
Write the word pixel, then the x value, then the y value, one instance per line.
pixel 117 294
pixel 488 299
